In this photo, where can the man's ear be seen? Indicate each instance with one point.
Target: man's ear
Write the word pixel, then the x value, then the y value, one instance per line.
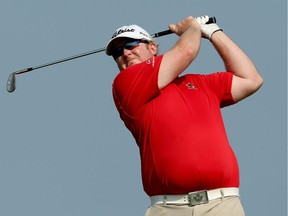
pixel 154 48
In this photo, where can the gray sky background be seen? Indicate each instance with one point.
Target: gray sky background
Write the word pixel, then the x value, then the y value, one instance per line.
pixel 64 150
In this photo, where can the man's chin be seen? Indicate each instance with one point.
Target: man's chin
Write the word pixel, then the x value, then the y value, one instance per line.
pixel 132 62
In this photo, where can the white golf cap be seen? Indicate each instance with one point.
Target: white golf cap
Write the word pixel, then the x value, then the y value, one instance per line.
pixel 131 31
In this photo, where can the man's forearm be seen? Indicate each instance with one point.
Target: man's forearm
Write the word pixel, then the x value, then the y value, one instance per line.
pixel 235 60
pixel 247 79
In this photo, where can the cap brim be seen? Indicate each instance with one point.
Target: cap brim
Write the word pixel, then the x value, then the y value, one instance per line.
pixel 113 40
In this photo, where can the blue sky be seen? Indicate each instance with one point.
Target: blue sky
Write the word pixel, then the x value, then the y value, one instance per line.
pixel 64 150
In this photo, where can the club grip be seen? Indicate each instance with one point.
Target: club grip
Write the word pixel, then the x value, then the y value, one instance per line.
pixel 166 32
pixel 162 33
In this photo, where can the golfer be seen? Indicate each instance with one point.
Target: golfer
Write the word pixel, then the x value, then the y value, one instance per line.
pixel 188 166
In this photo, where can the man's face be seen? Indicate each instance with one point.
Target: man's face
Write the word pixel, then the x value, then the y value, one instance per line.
pixel 128 52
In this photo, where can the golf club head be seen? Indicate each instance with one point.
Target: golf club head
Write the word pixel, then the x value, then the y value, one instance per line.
pixel 11 83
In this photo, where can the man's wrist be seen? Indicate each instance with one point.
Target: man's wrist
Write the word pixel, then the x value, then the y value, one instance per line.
pixel 215 32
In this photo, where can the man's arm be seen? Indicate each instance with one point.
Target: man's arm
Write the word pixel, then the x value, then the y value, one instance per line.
pixel 246 79
pixel 181 55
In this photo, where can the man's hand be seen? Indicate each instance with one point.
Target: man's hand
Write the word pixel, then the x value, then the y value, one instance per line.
pixel 184 25
pixel 207 30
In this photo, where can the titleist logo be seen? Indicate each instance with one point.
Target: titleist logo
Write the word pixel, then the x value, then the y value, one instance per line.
pixel 121 31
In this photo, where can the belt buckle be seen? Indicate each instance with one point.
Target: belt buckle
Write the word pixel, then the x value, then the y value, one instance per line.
pixel 198 198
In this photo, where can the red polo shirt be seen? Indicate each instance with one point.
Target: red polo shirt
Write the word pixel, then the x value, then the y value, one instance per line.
pixel 179 129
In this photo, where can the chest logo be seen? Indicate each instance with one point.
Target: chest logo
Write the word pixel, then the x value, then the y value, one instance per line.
pixel 190 86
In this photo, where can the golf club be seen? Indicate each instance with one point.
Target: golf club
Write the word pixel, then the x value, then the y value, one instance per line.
pixel 11 83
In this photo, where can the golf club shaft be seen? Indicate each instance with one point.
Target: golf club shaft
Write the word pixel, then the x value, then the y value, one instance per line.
pixel 158 34
pixel 11 83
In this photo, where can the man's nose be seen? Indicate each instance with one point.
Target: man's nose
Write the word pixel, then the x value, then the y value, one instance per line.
pixel 126 51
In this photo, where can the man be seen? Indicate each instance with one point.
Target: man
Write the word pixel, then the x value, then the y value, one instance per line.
pixel 188 166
